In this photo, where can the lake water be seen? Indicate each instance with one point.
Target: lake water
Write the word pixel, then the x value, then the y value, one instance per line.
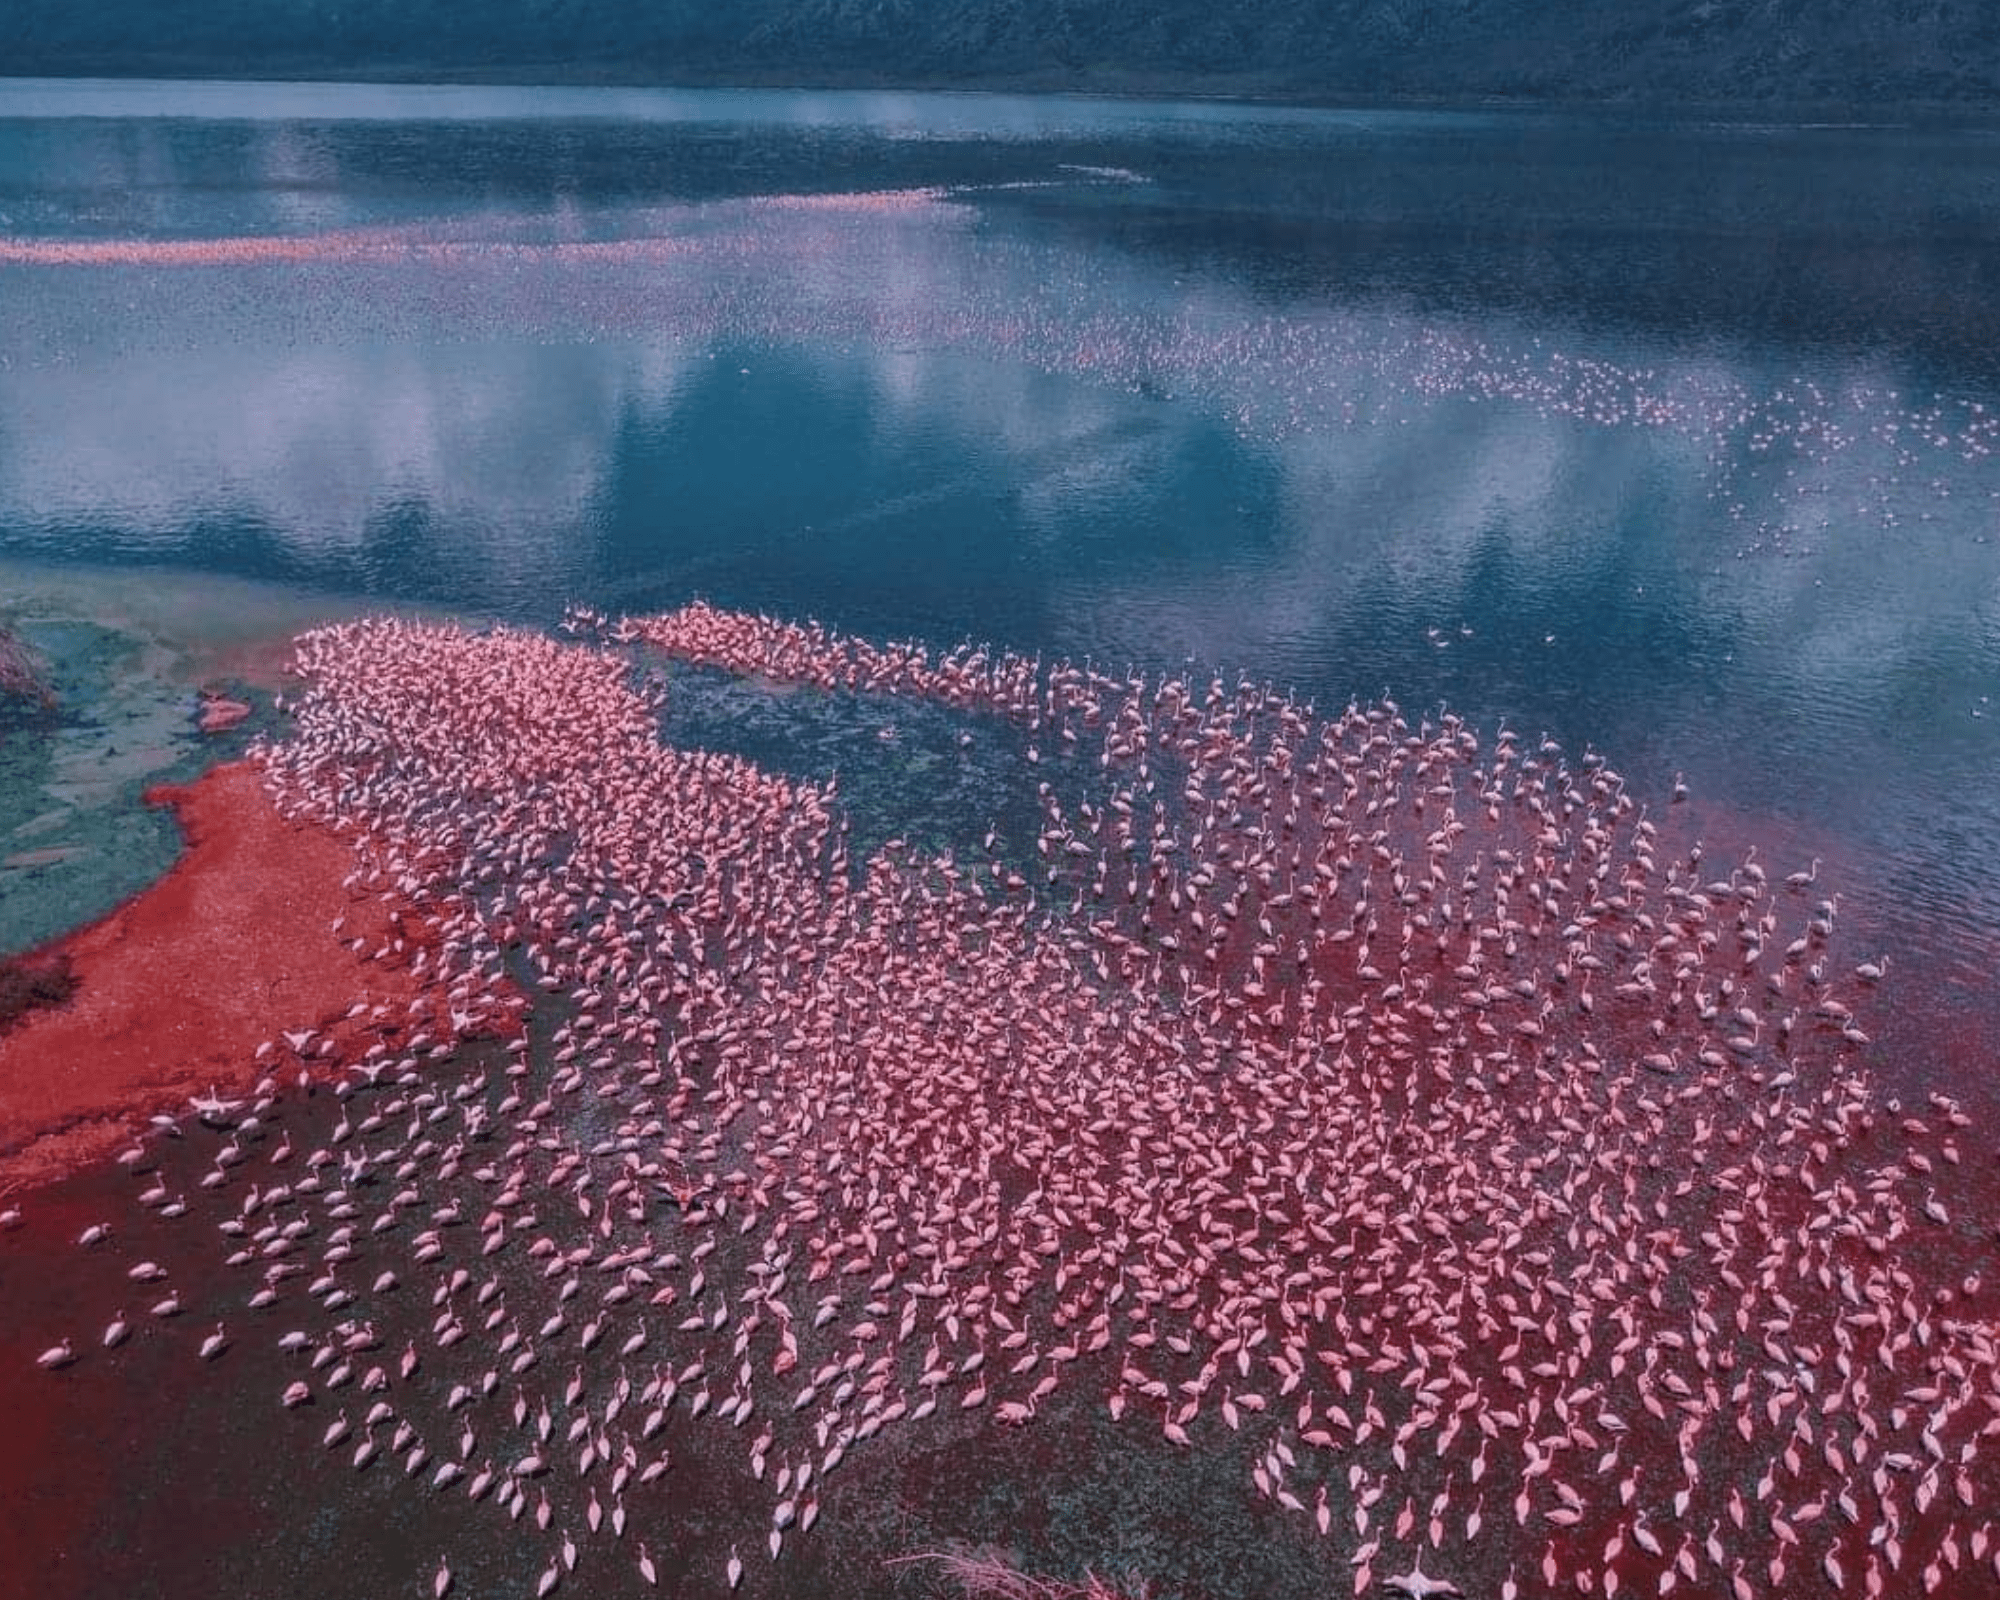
pixel 1674 441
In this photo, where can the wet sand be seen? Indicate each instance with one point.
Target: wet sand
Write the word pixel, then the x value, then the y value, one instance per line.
pixel 179 986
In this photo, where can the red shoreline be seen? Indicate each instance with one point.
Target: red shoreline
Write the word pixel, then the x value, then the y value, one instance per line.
pixel 181 984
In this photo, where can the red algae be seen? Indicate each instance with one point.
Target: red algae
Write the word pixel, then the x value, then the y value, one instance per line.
pixel 177 989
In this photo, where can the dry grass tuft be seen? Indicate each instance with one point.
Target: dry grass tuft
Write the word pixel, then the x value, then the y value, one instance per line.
pixel 22 671
pixel 989 1576
pixel 28 983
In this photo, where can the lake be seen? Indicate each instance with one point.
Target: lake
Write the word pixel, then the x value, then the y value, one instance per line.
pixel 1670 441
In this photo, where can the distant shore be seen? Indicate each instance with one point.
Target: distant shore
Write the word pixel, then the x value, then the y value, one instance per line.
pixel 1249 89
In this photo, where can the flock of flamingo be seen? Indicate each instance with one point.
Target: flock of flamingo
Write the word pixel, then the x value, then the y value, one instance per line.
pixel 1784 461
pixel 1421 1120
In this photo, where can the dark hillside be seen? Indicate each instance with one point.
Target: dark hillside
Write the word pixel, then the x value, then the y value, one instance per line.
pixel 1834 55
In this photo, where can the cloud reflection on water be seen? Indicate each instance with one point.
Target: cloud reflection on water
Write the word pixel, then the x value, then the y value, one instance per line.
pixel 1339 476
pixel 482 366
pixel 316 442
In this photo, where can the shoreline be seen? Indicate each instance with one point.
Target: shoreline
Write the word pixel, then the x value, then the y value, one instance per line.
pixel 180 985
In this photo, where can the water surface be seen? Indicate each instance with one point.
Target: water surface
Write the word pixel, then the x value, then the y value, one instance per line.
pixel 1672 440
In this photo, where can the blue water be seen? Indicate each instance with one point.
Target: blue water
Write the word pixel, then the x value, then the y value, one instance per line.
pixel 1673 440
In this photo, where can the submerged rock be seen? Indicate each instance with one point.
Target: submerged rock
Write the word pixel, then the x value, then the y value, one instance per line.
pixel 219 713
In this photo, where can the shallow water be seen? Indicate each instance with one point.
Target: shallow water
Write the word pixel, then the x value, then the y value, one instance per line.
pixel 1672 440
